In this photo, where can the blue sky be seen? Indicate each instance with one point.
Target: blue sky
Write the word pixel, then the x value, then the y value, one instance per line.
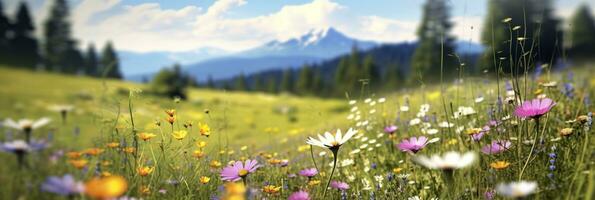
pixel 233 25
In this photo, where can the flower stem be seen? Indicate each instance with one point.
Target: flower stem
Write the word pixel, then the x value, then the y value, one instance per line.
pixel 312 156
pixel 532 148
pixel 335 154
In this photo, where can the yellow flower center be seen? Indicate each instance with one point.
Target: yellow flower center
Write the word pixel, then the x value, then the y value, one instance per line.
pixel 243 172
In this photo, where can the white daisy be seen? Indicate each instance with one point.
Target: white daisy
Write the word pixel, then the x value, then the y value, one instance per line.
pixel 381 100
pixel 61 108
pixel 449 161
pixel 404 108
pixel 516 189
pixel 414 122
pixel 330 141
pixel 445 124
pixel 26 124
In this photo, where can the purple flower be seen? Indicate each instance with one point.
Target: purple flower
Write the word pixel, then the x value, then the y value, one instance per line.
pixel 299 195
pixel 339 185
pixel 390 129
pixel 497 146
pixel 310 172
pixel 239 170
pixel 534 108
pixel 63 186
pixel 478 136
pixel 413 144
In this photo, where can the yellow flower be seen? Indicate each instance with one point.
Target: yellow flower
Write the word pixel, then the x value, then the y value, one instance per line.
pixel 105 174
pixel 144 171
pixel 215 164
pixel 566 131
pixel 198 154
pixel 234 191
pixel 106 187
pixel 204 179
pixel 146 136
pixel 243 148
pixel 113 145
pixel 499 165
pixel 473 131
pixel 79 164
pixel 303 148
pixel 170 112
pixel 396 170
pixel 452 142
pixel 201 144
pixel 180 135
pixel 129 150
pixel 271 189
pixel 313 182
pixel 106 163
pixel 204 129
pixel 93 151
pixel 145 190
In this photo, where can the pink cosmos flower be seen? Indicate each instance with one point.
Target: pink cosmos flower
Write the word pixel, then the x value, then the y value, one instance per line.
pixel 310 172
pixel 239 170
pixel 534 108
pixel 339 185
pixel 390 129
pixel 299 195
pixel 413 144
pixel 497 146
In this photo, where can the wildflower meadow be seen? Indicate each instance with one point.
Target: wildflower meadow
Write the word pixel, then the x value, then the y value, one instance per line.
pixel 297 100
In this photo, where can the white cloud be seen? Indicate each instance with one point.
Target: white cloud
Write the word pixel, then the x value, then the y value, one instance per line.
pixel 467 28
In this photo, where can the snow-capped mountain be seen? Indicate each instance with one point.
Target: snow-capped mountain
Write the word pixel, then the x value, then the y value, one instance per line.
pixel 134 64
pixel 314 46
pixel 323 43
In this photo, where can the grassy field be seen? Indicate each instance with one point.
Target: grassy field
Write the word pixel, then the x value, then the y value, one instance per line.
pixel 100 138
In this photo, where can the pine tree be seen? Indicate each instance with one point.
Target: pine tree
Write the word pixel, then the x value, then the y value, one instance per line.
pixel 287 82
pixel 210 82
pixel 549 35
pixel 394 78
pixel 304 82
pixel 272 85
pixel 91 62
pixel 170 82
pixel 434 43
pixel 110 64
pixel 509 36
pixel 371 71
pixel 59 48
pixel 258 83
pixel 4 43
pixel 582 34
pixel 317 85
pixel 240 83
pixel 23 45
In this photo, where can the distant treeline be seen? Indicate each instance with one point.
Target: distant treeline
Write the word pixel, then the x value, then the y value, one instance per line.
pixel 57 51
pixel 518 36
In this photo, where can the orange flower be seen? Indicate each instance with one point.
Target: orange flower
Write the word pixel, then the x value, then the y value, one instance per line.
pixel 144 171
pixel 106 187
pixel 146 136
pixel 498 165
pixel 93 151
pixel 198 154
pixel 171 120
pixel 271 189
pixel 74 154
pixel 113 145
pixel 170 112
pixel 129 150
pixel 79 164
